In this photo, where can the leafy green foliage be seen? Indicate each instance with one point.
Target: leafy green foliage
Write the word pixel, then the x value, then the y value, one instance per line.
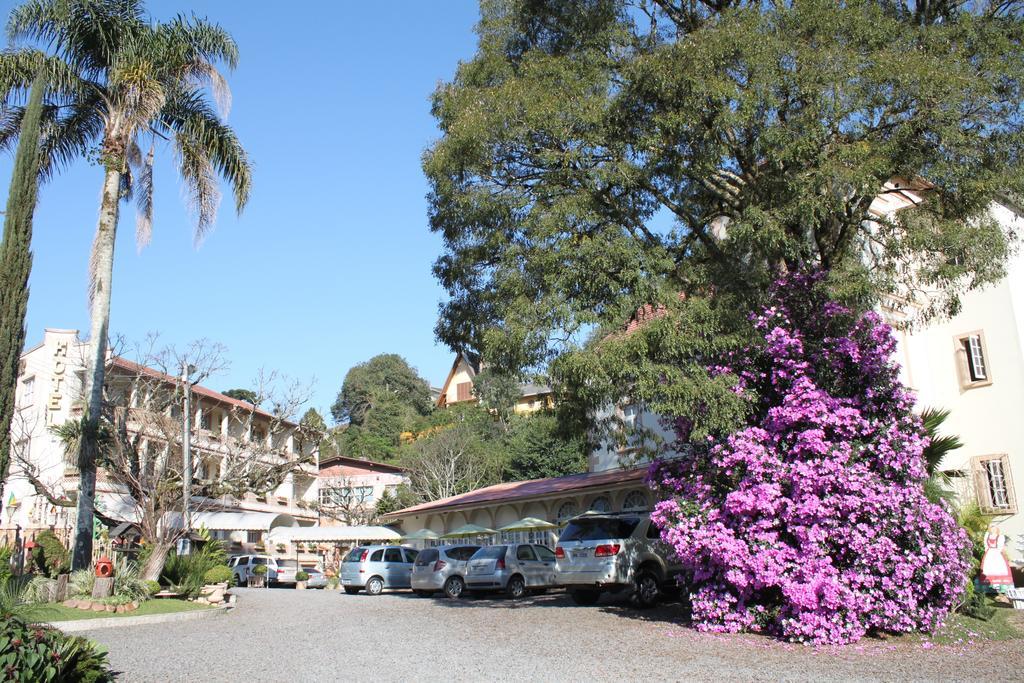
pixel 153 587
pixel 497 391
pixel 219 574
pixel 604 156
pixel 16 264
pixel 128 584
pixel 6 553
pixel 301 576
pixel 387 503
pixel 186 574
pixel 260 570
pixel 34 654
pixel 50 556
pixel 246 395
pixel 80 583
pixel 538 447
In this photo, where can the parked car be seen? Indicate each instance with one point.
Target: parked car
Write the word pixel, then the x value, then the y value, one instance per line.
pixel 316 578
pixel 279 569
pixel 442 569
pixel 376 567
pixel 515 568
pixel 608 553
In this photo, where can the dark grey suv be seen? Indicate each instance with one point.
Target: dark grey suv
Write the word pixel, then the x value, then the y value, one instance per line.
pixel 608 553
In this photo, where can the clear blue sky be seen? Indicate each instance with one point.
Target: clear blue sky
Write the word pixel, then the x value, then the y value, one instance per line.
pixel 330 263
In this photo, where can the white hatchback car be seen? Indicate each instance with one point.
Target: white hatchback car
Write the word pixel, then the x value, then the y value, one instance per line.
pixel 279 569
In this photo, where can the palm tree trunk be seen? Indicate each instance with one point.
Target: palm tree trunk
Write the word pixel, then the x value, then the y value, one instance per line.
pixel 102 270
pixel 155 562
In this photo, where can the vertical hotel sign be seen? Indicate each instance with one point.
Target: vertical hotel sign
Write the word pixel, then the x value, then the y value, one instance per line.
pixel 60 366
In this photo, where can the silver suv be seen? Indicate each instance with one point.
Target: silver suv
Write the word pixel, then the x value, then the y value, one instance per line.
pixel 608 553
pixel 442 569
pixel 376 567
pixel 515 568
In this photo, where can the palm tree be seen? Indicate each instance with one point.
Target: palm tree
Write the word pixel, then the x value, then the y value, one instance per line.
pixel 119 84
pixel 935 487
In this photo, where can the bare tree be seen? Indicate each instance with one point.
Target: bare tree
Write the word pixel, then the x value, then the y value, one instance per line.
pixel 244 451
pixel 450 462
pixel 344 499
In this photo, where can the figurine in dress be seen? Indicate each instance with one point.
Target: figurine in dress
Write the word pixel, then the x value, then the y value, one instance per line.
pixel 995 569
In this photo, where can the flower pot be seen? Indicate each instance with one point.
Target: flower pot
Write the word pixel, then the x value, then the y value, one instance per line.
pixel 300 585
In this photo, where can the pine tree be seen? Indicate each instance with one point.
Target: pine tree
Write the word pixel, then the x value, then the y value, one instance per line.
pixel 16 263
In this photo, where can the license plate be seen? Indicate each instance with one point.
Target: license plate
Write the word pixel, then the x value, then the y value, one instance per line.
pixel 581 553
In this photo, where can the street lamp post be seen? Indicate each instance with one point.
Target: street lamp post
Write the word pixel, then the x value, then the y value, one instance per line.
pixel 186 453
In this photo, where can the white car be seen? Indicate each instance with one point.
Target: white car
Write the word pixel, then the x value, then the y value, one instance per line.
pixel 279 569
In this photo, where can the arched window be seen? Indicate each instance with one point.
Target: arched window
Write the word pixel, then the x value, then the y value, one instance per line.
pixel 567 511
pixel 601 504
pixel 636 501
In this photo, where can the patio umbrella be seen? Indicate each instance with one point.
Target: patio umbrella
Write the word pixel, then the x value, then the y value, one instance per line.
pixel 421 535
pixel 528 524
pixel 468 531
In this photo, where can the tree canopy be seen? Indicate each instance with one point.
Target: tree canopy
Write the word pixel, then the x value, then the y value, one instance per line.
pixel 247 395
pixel 602 156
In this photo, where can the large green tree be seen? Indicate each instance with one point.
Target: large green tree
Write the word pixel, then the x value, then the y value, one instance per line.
pixel 611 158
pixel 120 86
pixel 16 264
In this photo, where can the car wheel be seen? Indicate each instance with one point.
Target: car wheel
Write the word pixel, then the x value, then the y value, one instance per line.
pixel 374 586
pixel 351 590
pixel 646 590
pixel 516 587
pixel 454 587
pixel 585 598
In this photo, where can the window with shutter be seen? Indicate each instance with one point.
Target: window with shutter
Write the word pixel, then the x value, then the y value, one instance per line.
pixel 993 485
pixel 973 360
pixel 463 391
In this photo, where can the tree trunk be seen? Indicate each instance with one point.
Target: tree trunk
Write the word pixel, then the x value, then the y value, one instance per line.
pixel 101 274
pixel 155 562
pixel 15 265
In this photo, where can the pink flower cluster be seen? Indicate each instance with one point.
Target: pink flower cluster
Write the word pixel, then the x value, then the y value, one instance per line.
pixel 811 523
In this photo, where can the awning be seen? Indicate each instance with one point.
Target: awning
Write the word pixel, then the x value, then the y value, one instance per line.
pixel 340 533
pixel 236 521
pixel 421 535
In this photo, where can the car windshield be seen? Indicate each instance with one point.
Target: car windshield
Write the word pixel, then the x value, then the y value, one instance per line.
pixel 354 555
pixel 598 528
pixel 490 553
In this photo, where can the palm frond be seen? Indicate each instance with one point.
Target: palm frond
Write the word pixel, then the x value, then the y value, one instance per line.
pixel 200 187
pixel 196 39
pixel 939 446
pixel 144 201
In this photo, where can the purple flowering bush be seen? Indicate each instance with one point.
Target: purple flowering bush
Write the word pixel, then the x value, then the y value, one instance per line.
pixel 811 522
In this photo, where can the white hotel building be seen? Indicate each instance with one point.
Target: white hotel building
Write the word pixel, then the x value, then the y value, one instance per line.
pixel 49 392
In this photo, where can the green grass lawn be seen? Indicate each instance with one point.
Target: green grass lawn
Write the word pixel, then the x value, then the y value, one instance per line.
pixel 960 628
pixel 162 606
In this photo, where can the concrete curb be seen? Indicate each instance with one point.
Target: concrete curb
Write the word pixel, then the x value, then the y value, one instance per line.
pixel 79 625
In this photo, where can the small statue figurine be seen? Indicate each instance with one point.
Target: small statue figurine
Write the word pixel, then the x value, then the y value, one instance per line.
pixel 995 569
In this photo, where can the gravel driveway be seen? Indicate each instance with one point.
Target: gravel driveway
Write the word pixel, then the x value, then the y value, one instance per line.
pixel 287 635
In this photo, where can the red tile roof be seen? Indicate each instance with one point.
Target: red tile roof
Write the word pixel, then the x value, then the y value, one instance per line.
pixel 132 366
pixel 346 463
pixel 515 490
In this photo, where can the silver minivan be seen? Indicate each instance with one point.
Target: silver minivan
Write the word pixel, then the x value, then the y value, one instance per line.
pixel 515 568
pixel 442 569
pixel 376 567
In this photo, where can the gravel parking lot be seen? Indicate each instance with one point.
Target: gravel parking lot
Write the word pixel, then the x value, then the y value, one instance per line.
pixel 327 635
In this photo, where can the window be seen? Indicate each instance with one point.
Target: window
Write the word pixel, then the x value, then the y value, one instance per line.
pixel 636 501
pixel 973 360
pixel 393 555
pixel 598 529
pixel 463 391
pixel 601 504
pixel 28 391
pixel 566 511
pixel 524 553
pixel 654 532
pixel 355 555
pixel 376 556
pixel 341 496
pixel 410 554
pixel 994 485
pixel 545 554
pixel 428 556
pixel 252 537
pixel 492 552
pixel 257 560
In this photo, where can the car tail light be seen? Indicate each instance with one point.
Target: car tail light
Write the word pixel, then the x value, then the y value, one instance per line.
pixel 362 558
pixel 499 563
pixel 607 550
pixel 439 565
pixel 560 552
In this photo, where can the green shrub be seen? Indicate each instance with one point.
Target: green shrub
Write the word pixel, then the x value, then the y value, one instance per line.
pixel 186 574
pixel 5 563
pixel 50 556
pixel 127 582
pixel 260 570
pixel 39 589
pixel 301 576
pixel 80 583
pixel 153 587
pixel 40 653
pixel 219 574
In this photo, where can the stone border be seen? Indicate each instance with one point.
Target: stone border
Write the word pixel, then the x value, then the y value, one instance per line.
pixel 79 625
